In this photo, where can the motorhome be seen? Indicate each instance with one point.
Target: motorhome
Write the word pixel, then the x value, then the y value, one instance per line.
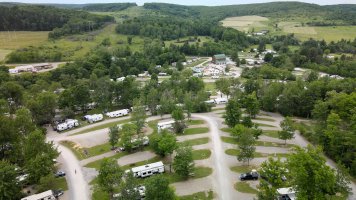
pixel 147 170
pixel 286 193
pixel 220 101
pixel 68 124
pixel 118 113
pixel 47 195
pixel 165 125
pixel 93 118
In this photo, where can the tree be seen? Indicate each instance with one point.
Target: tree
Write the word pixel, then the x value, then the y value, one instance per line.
pixel 183 163
pixel 128 188
pixel 9 189
pixel 188 104
pixel 138 116
pixel 246 147
pixel 157 188
pixel 153 100
pixel 127 133
pixel 13 92
pixel 129 40
pixel 287 131
pixel 268 57
pixel 164 143
pixel 47 183
pixel 39 166
pixel 252 104
pixel 81 96
pixel 223 85
pixel 113 135
pixel 310 175
pixel 233 113
pixel 23 121
pixel 43 107
pixel 110 176
pixel 178 116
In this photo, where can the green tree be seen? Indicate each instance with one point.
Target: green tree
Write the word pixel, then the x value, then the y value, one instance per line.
pixel 179 123
pixel 183 163
pixel 129 40
pixel 81 96
pixel 287 131
pixel 4 106
pixel 47 183
pixel 252 104
pixel 110 176
pixel 128 188
pixel 138 116
pixel 14 92
pixel 157 188
pixel 223 85
pixel 310 175
pixel 153 100
pixel 113 135
pixel 9 189
pixel 164 143
pixel 246 147
pixel 39 166
pixel 23 121
pixel 188 104
pixel 127 133
pixel 43 107
pixel 233 113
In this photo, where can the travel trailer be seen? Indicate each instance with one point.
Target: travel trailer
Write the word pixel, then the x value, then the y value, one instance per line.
pixel 165 125
pixel 118 113
pixel 147 170
pixel 93 118
pixel 47 195
pixel 68 124
pixel 220 101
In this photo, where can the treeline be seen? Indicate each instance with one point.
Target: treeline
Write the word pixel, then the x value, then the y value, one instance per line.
pixel 107 7
pixel 47 18
pixel 35 54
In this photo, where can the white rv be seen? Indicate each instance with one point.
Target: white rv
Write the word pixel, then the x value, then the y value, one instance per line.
pixel 120 79
pixel 93 118
pixel 286 194
pixel 147 170
pixel 68 124
pixel 118 113
pixel 48 195
pixel 165 125
pixel 220 101
pixel 141 190
pixel 210 102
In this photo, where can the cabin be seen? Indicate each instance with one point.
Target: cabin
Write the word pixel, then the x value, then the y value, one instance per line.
pixel 219 59
pixel 47 195
pixel 147 170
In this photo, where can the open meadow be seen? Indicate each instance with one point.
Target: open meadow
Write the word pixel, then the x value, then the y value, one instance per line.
pixel 245 23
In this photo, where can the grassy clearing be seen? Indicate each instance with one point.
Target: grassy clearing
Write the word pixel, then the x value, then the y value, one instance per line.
pixel 245 23
pixel 242 168
pixel 245 188
pixel 264 125
pixel 229 140
pixel 265 119
pixel 3 53
pixel 181 41
pixel 234 152
pixel 273 134
pixel 227 130
pixel 92 151
pixel 201 154
pixel 199 172
pixel 197 141
pixel 103 126
pixel 195 122
pixel 192 131
pixel 11 40
pixel 60 183
pixel 207 195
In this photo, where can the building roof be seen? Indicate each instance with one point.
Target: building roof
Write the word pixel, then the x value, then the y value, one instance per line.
pixel 220 56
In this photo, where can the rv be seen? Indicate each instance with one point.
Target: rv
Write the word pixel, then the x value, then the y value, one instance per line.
pixel 220 101
pixel 147 170
pixel 286 194
pixel 210 102
pixel 165 125
pixel 68 124
pixel 141 190
pixel 118 113
pixel 48 195
pixel 120 79
pixel 93 118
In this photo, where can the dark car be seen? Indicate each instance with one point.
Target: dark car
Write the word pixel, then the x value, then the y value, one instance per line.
pixel 253 175
pixel 57 193
pixel 60 174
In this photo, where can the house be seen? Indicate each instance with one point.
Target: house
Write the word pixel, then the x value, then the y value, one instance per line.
pixel 47 195
pixel 219 59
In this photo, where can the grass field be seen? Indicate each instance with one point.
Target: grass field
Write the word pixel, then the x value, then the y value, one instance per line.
pixel 201 154
pixel 192 131
pixel 195 122
pixel 197 141
pixel 245 23
pixel 245 188
pixel 93 151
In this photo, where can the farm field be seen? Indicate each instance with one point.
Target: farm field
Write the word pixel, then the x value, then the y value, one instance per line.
pixel 302 32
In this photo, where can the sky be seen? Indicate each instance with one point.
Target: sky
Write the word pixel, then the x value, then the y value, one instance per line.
pixel 183 2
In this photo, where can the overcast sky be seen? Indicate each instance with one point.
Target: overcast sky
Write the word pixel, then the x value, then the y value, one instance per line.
pixel 183 2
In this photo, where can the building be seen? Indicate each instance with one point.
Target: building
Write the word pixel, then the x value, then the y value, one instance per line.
pixel 48 195
pixel 219 59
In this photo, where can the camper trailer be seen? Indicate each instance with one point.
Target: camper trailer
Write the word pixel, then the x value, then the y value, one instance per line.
pixel 147 170
pixel 286 194
pixel 164 125
pixel 118 113
pixel 141 190
pixel 68 124
pixel 93 118
pixel 48 195
pixel 220 101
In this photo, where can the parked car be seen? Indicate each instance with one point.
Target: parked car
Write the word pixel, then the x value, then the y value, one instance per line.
pixel 57 193
pixel 253 175
pixel 60 174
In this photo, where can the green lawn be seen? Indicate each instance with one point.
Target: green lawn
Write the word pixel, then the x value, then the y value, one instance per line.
pixel 234 152
pixel 227 130
pixel 106 125
pixel 192 131
pixel 20 39
pixel 265 119
pixel 207 195
pixel 265 125
pixel 197 141
pixel 61 183
pixel 230 140
pixel 245 188
pixel 199 172
pixel 195 122
pixel 273 134
pixel 201 154
pixel 92 151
